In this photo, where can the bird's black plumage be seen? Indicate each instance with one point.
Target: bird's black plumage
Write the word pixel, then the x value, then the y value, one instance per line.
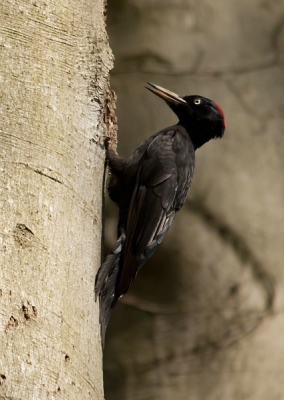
pixel 149 188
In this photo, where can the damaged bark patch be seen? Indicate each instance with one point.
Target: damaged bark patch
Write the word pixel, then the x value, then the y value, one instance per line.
pixel 109 116
pixel 29 311
pixel 38 171
pixel 57 391
pixel 2 379
pixel 23 235
pixel 12 323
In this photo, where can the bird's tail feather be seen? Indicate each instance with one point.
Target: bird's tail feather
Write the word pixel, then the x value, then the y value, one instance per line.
pixel 105 286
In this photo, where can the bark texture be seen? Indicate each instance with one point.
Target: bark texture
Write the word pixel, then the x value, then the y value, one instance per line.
pixel 56 106
pixel 198 323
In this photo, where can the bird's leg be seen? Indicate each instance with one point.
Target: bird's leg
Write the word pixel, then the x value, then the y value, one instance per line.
pixel 116 163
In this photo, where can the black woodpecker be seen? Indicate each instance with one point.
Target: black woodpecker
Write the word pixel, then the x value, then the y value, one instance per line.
pixel 149 188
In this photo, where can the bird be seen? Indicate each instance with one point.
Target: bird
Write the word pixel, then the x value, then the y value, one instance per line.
pixel 149 188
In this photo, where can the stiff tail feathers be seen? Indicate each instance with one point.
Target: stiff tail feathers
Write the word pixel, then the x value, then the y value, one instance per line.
pixel 105 286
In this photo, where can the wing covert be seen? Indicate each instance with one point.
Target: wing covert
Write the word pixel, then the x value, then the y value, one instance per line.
pixel 152 206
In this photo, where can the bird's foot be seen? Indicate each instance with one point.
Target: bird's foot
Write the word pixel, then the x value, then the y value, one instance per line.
pixel 106 142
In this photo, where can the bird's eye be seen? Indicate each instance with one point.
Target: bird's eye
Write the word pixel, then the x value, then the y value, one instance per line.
pixel 197 101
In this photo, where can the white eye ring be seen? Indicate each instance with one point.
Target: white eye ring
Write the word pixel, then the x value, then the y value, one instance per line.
pixel 197 101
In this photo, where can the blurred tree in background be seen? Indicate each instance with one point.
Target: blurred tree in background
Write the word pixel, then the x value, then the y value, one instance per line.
pixel 199 322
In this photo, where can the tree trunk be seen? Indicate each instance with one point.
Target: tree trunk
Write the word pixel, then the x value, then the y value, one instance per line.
pixel 56 106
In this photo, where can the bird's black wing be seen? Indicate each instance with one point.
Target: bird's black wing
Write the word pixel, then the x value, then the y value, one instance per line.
pixel 162 183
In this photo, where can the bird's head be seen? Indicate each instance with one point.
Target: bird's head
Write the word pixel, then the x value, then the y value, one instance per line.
pixel 202 118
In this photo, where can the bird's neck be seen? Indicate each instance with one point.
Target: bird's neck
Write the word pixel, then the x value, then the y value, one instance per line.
pixel 199 135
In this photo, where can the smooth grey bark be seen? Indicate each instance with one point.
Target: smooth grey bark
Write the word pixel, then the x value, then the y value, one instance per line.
pixel 56 107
